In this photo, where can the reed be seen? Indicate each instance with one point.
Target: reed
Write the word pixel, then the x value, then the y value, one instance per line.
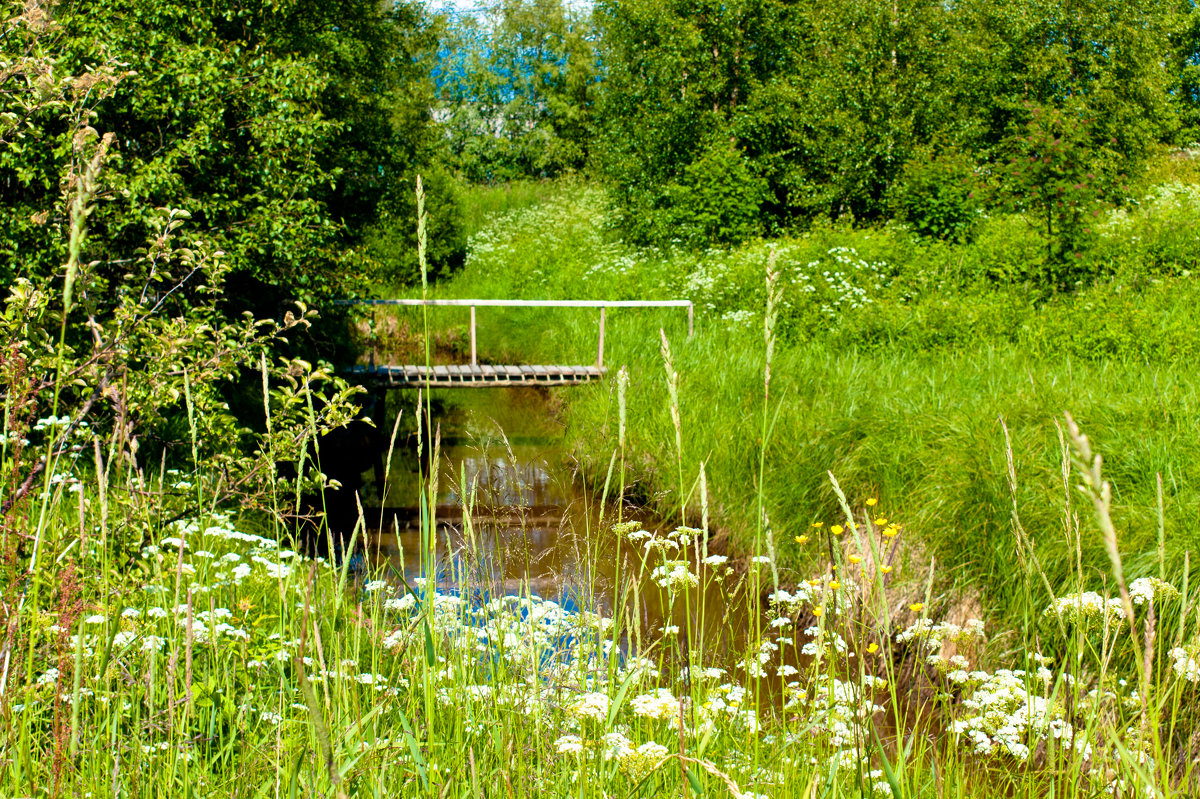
pixel 218 661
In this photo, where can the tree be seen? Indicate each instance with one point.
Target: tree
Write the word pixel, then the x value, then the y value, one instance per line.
pixel 828 102
pixel 1105 62
pixel 1053 174
pixel 823 100
pixel 515 90
pixel 1185 74
pixel 92 356
pixel 283 128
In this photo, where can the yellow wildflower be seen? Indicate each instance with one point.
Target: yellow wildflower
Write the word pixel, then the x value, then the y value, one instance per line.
pixel 916 607
pixel 872 502
pixel 880 522
pixel 836 529
pixel 872 649
pixel 801 539
pixel 854 559
pixel 834 585
pixel 885 569
pixel 817 611
pixel 817 524
pixel 891 532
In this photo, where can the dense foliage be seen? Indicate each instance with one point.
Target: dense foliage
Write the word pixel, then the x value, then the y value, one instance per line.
pixel 164 171
pixel 817 109
pixel 284 129
pixel 516 86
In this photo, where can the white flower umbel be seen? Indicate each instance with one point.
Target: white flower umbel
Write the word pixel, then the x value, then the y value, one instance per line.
pixel 1088 608
pixel 569 745
pixel 1145 590
pixel 660 704
pixel 675 575
pixel 1186 663
pixel 591 707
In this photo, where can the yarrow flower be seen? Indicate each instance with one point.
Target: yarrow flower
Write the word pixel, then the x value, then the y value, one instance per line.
pixel 569 745
pixel 591 707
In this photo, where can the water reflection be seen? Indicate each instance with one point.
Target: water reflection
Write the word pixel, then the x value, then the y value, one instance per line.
pixel 534 528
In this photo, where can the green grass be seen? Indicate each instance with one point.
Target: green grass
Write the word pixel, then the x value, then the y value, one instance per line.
pixel 900 397
pixel 146 657
pixel 215 662
pixel 481 202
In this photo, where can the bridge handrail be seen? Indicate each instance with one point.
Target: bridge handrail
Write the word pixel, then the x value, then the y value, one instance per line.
pixel 531 303
pixel 603 305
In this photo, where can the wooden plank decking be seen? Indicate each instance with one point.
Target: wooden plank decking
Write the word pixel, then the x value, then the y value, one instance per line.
pixel 478 376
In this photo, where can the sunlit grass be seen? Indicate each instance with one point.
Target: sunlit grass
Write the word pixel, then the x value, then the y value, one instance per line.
pixel 902 397
pixel 215 661
pixel 876 499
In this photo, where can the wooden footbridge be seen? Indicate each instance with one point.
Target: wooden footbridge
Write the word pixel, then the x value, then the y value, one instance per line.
pixel 477 375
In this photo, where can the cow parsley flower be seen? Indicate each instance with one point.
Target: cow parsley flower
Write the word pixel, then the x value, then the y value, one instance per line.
pixel 1184 662
pixel 569 745
pixel 591 706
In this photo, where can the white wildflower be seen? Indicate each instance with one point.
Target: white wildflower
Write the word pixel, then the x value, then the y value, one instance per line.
pixel 591 706
pixel 569 745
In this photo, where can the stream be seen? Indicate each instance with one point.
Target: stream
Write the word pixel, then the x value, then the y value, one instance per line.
pixel 535 527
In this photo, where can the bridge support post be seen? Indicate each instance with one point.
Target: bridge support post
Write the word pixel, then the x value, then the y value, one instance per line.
pixel 600 346
pixel 690 315
pixel 474 362
pixel 374 342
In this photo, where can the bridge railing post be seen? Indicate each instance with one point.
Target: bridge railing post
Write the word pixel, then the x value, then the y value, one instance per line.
pixel 474 361
pixel 600 345
pixel 691 311
pixel 374 342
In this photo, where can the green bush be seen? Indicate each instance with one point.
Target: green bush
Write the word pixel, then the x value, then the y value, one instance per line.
pixel 939 195
pixel 717 201
pixel 1007 249
pixel 1160 237
pixel 392 243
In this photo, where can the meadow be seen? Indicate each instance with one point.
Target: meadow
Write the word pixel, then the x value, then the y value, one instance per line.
pixel 938 603
pixel 217 661
pixel 905 367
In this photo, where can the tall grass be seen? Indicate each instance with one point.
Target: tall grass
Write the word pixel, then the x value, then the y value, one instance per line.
pixel 914 416
pixel 215 661
pixel 482 202
pixel 146 656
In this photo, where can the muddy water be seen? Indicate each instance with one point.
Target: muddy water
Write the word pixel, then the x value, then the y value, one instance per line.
pixel 534 526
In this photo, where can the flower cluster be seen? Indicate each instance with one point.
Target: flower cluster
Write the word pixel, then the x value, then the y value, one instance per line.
pixel 1088 608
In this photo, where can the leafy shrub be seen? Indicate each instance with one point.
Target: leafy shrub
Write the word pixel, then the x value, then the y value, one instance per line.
pixel 392 244
pixel 938 194
pixel 717 201
pixel 1054 173
pixel 1159 238
pixel 1007 249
